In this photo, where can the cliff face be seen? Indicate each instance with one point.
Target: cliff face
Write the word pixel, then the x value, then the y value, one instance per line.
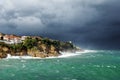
pixel 43 51
pixel 35 46
pixel 3 50
pixel 3 55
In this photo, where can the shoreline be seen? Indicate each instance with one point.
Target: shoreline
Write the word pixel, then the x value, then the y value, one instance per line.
pixel 35 46
pixel 63 55
pixel 30 57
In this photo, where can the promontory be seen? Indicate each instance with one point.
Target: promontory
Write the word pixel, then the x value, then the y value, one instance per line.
pixel 35 46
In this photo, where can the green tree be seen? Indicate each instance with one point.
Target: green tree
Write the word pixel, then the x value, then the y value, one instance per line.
pixel 29 43
pixel 46 41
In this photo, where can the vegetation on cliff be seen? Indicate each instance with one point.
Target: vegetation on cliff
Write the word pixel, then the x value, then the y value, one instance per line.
pixel 35 46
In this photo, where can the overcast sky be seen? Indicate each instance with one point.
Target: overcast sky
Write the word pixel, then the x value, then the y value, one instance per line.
pixel 93 24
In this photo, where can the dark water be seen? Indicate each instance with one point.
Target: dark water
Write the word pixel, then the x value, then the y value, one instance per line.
pixel 100 65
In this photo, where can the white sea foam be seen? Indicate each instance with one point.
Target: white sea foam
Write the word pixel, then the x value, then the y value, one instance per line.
pixel 68 54
pixel 87 51
pixel 20 57
pixel 64 55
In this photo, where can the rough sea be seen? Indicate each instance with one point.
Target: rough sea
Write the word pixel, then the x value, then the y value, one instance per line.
pixel 88 65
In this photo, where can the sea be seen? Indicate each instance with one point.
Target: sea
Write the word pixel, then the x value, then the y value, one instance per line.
pixel 87 65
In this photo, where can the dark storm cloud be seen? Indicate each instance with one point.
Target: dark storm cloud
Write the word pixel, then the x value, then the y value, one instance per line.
pixel 89 23
pixel 102 32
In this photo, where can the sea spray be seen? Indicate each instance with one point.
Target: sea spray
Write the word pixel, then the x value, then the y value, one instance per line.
pixel 64 55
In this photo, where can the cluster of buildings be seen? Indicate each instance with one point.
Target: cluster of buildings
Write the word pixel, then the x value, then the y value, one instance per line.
pixel 11 39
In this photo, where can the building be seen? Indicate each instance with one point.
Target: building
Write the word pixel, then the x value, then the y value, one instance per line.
pixel 6 38
pixel 12 39
pixel 23 37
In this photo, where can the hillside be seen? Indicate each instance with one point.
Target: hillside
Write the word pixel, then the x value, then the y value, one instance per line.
pixel 34 46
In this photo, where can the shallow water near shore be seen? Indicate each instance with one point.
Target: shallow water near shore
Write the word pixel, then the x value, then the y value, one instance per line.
pixel 90 65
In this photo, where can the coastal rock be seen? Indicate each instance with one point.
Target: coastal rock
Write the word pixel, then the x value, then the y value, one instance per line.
pixel 34 46
pixel 32 52
pixel 5 49
pixel 44 48
pixel 43 51
pixel 3 55
pixel 35 52
pixel 53 51
pixel 23 53
pixel 41 55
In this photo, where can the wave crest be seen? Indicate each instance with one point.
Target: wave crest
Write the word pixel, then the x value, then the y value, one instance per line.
pixel 64 55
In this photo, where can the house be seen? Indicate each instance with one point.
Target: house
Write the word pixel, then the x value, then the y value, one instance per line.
pixel 23 37
pixel 6 38
pixel 12 39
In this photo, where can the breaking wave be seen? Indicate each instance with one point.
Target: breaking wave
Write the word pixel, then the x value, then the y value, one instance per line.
pixel 64 55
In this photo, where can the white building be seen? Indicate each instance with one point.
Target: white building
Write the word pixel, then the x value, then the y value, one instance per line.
pixel 11 39
pixel 23 37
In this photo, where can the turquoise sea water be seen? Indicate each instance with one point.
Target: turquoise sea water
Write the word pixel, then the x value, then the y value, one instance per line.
pixel 98 65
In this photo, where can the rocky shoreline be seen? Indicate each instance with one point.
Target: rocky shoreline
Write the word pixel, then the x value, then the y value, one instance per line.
pixel 35 46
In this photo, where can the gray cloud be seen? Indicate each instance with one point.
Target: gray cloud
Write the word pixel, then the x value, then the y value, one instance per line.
pixel 89 23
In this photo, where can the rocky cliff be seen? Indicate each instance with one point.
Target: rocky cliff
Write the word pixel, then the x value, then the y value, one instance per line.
pixel 36 46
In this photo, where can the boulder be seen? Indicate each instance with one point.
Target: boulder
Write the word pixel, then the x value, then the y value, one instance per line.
pixel 3 55
pixel 23 53
pixel 53 51
pixel 5 49
pixel 41 55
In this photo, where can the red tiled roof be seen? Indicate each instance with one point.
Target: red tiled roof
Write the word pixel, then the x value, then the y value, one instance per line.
pixel 11 37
